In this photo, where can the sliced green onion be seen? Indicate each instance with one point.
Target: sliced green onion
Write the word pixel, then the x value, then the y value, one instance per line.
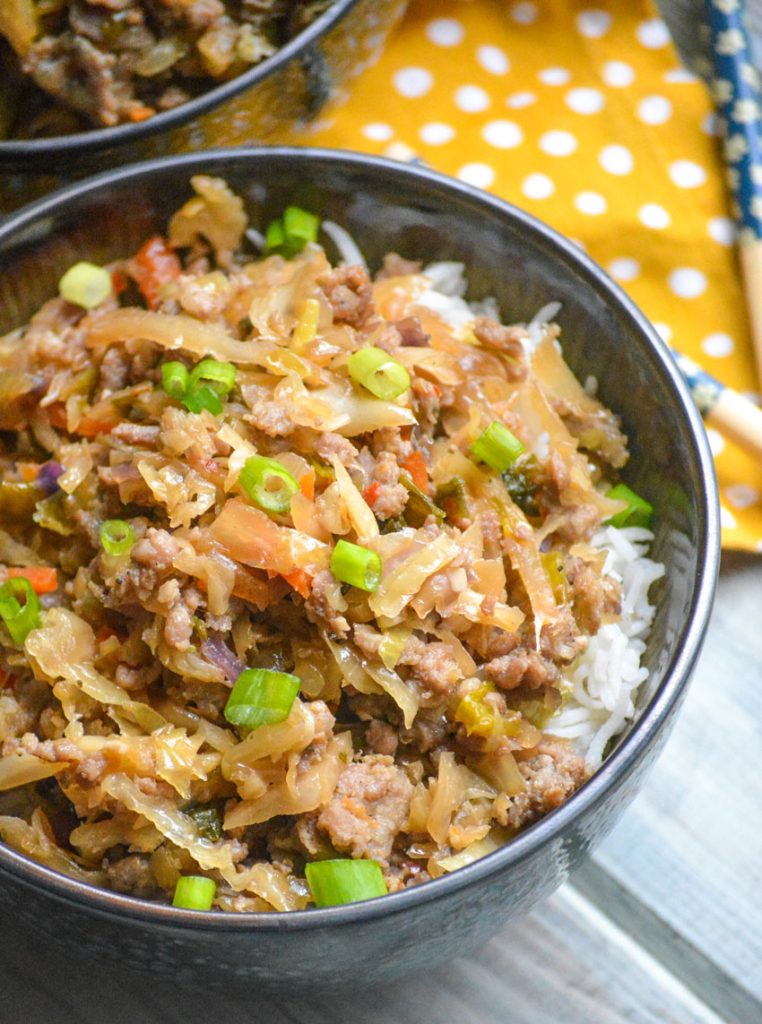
pixel 20 617
pixel 497 446
pixel 289 234
pixel 300 226
pixel 269 485
pixel 334 882
pixel 194 892
pixel 117 536
pixel 261 697
pixel 639 512
pixel 275 236
pixel 174 379
pixel 201 397
pixel 375 369
pixel 219 376
pixel 356 565
pixel 86 285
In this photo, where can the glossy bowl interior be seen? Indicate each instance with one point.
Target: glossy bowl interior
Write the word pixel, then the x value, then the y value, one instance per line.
pixel 524 264
pixel 286 90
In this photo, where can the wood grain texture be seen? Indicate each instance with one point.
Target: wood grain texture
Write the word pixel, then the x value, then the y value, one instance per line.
pixel 690 848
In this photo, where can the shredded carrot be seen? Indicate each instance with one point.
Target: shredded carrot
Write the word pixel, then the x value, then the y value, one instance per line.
pixel 141 113
pixel 371 493
pixel 28 471
pixel 97 420
pixel 42 577
pixel 155 264
pixel 415 464
pixel 119 281
pixel 91 426
pixel 300 580
pixel 307 484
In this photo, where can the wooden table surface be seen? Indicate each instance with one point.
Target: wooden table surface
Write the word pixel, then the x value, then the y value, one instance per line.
pixel 663 925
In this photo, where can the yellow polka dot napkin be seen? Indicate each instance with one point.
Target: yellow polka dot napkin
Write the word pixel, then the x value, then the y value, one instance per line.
pixel 582 114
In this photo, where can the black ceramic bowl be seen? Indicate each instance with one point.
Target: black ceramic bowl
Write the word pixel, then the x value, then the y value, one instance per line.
pixel 524 264
pixel 286 90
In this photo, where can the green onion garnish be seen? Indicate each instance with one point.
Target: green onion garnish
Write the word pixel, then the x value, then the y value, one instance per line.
pixel 275 236
pixel 497 446
pixel 201 397
pixel 20 617
pixel 639 512
pixel 261 697
pixel 333 882
pixel 194 892
pixel 86 285
pixel 353 564
pixel 289 234
pixel 220 376
pixel 174 379
pixel 377 371
pixel 117 536
pixel 269 485
pixel 300 226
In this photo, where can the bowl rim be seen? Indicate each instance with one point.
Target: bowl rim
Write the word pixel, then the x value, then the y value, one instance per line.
pixel 77 143
pixel 652 717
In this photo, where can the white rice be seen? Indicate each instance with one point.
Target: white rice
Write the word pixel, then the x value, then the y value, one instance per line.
pixel 604 682
pixel 349 251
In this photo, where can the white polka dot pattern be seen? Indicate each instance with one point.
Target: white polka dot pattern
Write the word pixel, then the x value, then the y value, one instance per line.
pixel 413 82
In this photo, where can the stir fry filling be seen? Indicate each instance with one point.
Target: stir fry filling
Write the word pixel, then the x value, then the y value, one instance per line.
pixel 298 565
pixel 66 65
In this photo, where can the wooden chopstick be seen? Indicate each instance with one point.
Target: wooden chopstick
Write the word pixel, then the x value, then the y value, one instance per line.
pixel 730 412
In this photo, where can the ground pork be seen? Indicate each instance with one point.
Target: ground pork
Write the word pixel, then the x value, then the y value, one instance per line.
pixel 268 416
pixel 320 606
pixel 350 293
pixel 561 640
pixel 432 664
pixel 411 333
pixel 426 399
pixel 334 444
pixel 382 738
pixel 369 807
pixel 389 497
pixel 114 369
pixel 132 874
pixel 522 667
pixel 551 775
pixel 594 596
pixel 391 440
pixel 429 730
pixel 157 549
pixel 87 769
pixel 71 68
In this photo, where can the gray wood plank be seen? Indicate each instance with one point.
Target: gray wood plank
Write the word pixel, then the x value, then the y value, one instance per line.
pixel 565 962
pixel 689 851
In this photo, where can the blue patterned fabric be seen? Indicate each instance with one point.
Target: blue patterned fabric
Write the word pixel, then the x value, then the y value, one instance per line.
pixel 736 91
